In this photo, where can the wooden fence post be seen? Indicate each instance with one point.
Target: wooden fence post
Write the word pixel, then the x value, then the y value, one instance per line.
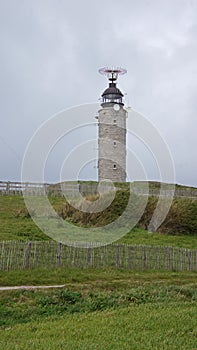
pixel 117 255
pixel 128 257
pixel 170 261
pixel 8 188
pixel 59 255
pixel 189 255
pixel 89 252
pixel 2 256
pixel 143 257
pixel 27 256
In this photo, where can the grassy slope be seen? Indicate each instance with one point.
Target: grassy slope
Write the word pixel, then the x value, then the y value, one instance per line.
pixel 141 236
pixel 141 327
pixel 164 317
pixel 111 310
pixel 16 224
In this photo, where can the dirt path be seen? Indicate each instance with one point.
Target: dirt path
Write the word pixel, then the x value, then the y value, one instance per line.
pixel 31 287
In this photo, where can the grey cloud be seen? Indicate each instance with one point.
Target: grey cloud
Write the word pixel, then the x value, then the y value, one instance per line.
pixel 51 52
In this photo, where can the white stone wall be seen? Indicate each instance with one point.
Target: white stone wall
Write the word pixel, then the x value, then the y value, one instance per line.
pixel 112 143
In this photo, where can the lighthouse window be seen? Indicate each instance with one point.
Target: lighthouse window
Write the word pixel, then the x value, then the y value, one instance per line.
pixel 115 144
pixel 114 166
pixel 114 121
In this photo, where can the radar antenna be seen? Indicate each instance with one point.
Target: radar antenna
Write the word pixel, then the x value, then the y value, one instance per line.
pixel 112 73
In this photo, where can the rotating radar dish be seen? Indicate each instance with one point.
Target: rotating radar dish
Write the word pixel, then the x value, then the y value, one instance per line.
pixel 112 73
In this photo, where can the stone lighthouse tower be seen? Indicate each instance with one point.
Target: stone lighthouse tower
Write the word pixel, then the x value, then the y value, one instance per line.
pixel 112 131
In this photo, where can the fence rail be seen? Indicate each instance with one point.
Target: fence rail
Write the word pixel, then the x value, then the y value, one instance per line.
pixel 188 193
pixel 15 255
pixel 18 188
pixel 40 189
pixel 72 189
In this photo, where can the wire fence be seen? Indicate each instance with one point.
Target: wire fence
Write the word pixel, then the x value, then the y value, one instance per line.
pixel 17 255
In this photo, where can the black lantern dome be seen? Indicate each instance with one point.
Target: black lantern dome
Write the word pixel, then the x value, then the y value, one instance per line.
pixel 112 94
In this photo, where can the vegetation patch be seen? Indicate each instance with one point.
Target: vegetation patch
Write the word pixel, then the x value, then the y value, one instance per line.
pixel 16 221
pixel 28 305
pixel 99 309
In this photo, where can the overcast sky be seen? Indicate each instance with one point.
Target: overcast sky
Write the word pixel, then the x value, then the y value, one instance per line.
pixel 51 52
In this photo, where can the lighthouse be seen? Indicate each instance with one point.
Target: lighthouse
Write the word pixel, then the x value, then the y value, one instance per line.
pixel 112 130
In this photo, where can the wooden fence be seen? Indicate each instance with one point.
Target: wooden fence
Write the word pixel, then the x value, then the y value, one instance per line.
pixel 40 189
pixel 18 188
pixel 188 193
pixel 28 255
pixel 72 189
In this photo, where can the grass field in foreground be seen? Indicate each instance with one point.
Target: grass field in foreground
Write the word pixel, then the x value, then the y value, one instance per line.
pixel 170 326
pixel 99 309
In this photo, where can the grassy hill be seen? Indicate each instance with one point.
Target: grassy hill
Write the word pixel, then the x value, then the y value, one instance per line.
pixel 106 308
pixel 179 227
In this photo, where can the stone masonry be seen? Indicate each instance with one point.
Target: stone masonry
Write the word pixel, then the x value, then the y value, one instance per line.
pixel 112 142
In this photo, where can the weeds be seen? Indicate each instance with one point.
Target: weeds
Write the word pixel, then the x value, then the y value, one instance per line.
pixel 22 306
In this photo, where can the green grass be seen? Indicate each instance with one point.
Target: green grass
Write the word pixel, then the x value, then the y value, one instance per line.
pixel 99 309
pixel 15 222
pixel 140 236
pixel 137 327
pixel 179 228
pixel 101 277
